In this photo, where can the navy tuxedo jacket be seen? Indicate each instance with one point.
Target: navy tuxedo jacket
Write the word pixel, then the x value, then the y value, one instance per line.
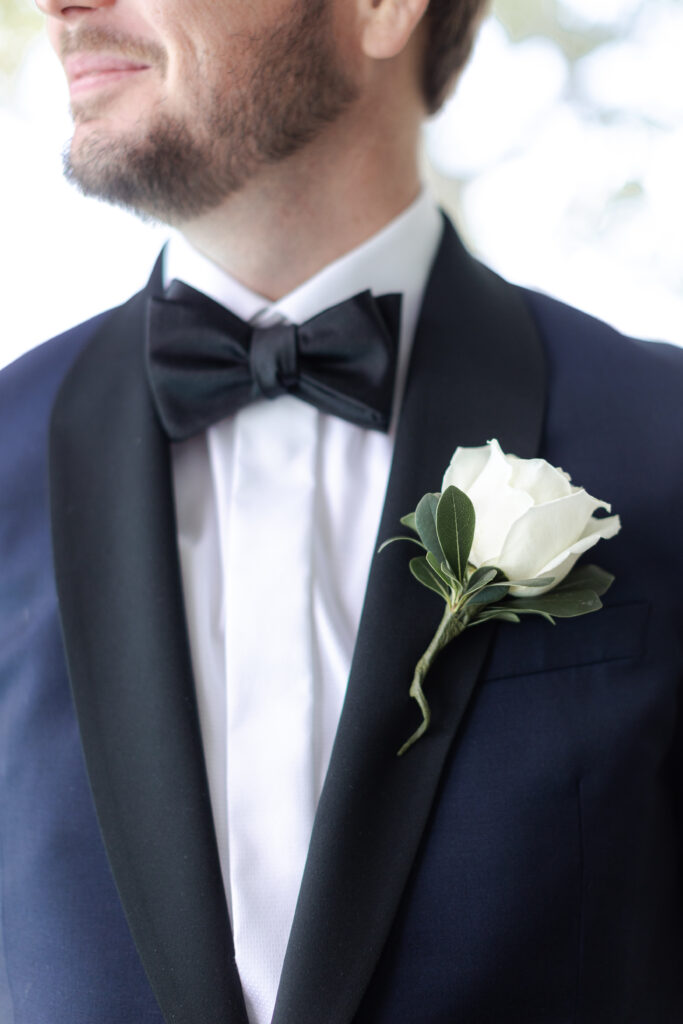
pixel 521 863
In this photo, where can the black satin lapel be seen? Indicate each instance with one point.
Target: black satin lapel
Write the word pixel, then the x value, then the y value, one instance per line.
pixel 477 372
pixel 125 636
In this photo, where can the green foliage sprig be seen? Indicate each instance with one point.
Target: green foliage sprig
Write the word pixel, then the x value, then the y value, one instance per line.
pixel 444 526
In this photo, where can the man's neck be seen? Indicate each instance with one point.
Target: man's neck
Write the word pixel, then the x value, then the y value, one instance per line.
pixel 298 216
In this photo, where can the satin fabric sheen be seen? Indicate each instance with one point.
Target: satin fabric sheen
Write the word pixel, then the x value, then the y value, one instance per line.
pixel 278 509
pixel 204 363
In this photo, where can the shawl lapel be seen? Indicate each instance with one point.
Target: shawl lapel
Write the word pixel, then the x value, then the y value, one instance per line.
pixel 477 372
pixel 125 637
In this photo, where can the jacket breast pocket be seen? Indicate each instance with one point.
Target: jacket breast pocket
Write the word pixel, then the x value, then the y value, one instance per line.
pixel 613 633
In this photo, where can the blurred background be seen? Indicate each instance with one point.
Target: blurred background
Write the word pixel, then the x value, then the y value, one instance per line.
pixel 560 156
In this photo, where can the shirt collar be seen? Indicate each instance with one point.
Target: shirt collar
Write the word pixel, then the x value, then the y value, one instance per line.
pixel 396 259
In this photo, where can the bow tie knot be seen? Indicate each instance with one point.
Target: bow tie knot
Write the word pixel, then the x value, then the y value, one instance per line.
pixel 273 359
pixel 204 363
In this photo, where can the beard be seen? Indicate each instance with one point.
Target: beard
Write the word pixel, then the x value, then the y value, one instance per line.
pixel 288 86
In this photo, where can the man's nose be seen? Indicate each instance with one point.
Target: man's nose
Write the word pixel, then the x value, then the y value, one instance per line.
pixel 66 11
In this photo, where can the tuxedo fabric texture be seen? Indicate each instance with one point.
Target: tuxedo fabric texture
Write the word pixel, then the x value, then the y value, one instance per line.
pixel 521 863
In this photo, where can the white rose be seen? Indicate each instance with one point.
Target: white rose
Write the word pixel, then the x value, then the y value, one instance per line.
pixel 531 522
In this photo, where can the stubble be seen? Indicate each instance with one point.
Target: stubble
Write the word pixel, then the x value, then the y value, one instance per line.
pixel 286 87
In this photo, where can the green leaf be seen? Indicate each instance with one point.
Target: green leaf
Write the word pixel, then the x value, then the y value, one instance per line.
pixel 480 578
pixel 495 613
pixel 425 575
pixel 409 521
pixel 413 540
pixel 543 615
pixel 498 592
pixel 540 581
pixel 587 577
pixel 485 585
pixel 503 616
pixel 425 523
pixel 565 604
pixel 455 520
pixel 441 570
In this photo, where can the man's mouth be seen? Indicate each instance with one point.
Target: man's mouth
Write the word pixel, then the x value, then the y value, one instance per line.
pixel 93 71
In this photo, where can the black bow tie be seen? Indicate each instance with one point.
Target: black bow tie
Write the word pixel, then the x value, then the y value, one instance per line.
pixel 204 363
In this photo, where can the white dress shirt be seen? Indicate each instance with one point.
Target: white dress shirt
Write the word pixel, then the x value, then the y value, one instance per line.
pixel 278 510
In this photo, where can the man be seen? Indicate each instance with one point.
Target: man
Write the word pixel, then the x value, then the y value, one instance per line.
pixel 203 816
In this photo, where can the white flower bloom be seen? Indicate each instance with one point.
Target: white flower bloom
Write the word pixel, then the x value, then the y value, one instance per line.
pixel 531 521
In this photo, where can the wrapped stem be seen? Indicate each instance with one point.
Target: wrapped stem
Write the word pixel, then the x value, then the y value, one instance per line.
pixel 451 625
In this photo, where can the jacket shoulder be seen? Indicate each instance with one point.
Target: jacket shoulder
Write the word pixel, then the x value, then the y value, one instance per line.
pixel 589 362
pixel 28 387
pixel 39 371
pixel 613 411
pixel 576 339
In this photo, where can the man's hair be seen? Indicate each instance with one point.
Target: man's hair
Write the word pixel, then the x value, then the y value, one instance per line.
pixel 451 26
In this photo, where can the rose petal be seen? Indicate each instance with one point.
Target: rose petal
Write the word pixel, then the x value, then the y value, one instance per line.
pixel 465 467
pixel 539 479
pixel 562 564
pixel 497 506
pixel 544 532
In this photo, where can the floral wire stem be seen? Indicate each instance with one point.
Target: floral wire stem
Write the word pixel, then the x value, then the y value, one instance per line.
pixel 451 625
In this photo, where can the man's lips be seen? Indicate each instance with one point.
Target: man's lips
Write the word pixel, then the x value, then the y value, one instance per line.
pixel 89 71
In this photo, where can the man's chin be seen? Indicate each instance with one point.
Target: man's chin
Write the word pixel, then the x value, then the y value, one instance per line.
pixel 99 165
pixel 162 176
pixel 111 118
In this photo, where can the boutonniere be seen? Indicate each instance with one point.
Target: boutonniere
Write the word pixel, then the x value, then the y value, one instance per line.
pixel 500 541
